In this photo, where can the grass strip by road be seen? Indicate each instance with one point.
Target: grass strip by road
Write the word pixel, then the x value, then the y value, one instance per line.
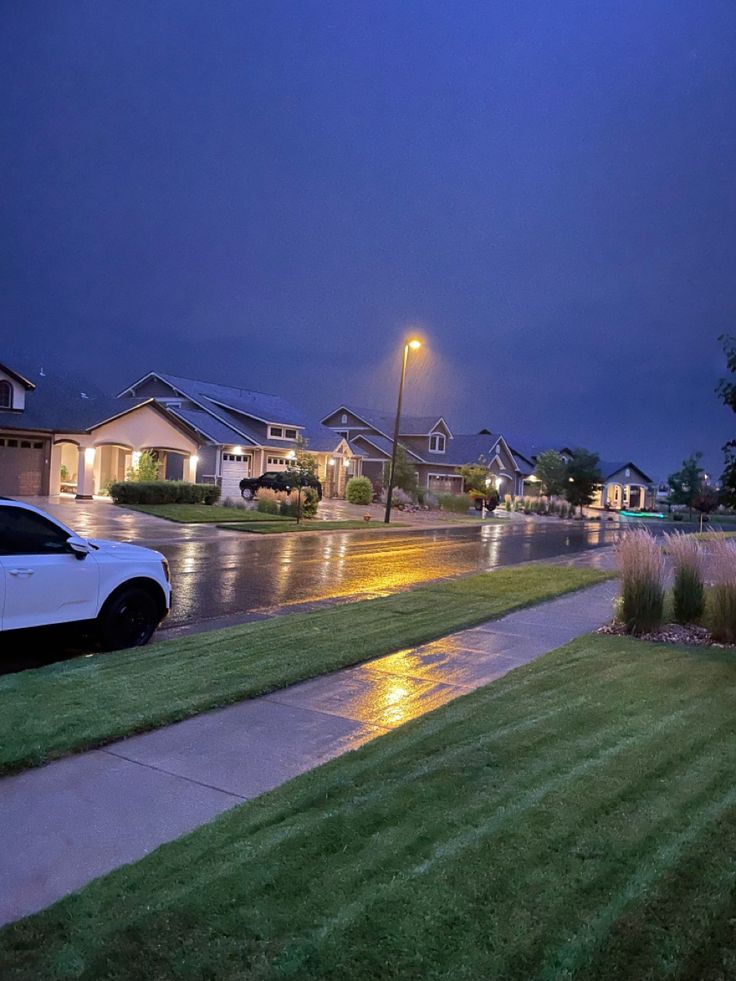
pixel 75 705
pixel 204 513
pixel 266 528
pixel 576 819
pixel 710 536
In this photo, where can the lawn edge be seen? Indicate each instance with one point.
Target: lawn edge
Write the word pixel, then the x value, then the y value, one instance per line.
pixel 41 759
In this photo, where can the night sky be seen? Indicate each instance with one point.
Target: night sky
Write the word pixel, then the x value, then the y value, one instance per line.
pixel 271 194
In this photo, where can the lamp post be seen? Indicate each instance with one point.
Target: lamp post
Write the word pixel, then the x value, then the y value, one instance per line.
pixel 414 344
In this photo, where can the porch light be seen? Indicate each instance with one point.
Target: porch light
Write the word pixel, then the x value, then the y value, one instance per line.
pixel 346 462
pixel 330 462
pixel 237 450
pixel 291 455
pixel 194 459
pixel 136 457
pixel 89 454
pixel 498 482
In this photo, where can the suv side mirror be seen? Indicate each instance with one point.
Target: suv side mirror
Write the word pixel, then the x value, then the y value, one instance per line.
pixel 78 547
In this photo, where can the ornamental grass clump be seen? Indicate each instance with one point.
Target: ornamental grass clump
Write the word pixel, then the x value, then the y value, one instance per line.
pixel 722 594
pixel 689 592
pixel 641 564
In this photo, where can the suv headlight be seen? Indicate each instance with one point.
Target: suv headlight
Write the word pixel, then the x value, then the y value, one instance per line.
pixel 165 564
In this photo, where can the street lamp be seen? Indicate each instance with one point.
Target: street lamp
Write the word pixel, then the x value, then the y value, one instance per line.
pixel 414 344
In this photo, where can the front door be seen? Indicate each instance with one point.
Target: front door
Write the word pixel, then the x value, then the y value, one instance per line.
pixel 44 583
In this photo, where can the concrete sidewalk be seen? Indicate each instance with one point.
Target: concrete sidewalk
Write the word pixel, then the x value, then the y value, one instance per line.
pixel 73 820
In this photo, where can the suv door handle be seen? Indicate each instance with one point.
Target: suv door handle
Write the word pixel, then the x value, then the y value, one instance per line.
pixel 21 572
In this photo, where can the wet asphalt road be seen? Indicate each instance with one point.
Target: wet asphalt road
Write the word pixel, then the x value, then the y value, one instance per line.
pixel 222 577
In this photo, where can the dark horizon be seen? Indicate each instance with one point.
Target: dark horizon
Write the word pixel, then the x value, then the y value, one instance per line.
pixel 273 196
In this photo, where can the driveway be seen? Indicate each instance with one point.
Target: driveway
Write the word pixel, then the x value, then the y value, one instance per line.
pixel 222 577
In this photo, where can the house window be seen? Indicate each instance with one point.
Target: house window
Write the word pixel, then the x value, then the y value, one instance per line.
pixel 343 419
pixel 6 395
pixel 436 443
pixel 343 433
pixel 290 433
pixel 276 432
pixel 278 461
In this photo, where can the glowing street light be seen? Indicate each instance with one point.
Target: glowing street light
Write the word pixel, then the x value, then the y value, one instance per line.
pixel 413 344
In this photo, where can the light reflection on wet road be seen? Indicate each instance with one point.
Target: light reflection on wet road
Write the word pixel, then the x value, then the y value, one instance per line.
pixel 220 576
pixel 232 576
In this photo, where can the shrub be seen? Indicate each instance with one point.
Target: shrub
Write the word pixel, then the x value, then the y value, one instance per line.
pixel 228 503
pixel 289 504
pixel 689 594
pixel 269 501
pixel 642 581
pixel 359 490
pixel 456 503
pixel 163 492
pixel 145 470
pixel 722 594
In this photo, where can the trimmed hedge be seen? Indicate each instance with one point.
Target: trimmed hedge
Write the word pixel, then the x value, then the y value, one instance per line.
pixel 359 490
pixel 457 503
pixel 163 492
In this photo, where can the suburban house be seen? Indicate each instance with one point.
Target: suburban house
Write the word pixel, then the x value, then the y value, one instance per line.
pixel 625 486
pixel 242 433
pixel 432 447
pixel 55 436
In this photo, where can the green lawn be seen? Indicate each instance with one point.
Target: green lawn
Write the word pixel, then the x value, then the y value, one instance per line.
pixel 203 513
pixel 74 705
pixel 576 820
pixel 709 536
pixel 267 528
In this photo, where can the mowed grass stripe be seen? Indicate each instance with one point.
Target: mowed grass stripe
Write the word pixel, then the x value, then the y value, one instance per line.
pixel 76 705
pixel 522 851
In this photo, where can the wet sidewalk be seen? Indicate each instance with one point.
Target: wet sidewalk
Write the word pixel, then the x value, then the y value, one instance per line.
pixel 73 820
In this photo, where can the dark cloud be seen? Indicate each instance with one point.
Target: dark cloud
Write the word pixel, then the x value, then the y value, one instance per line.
pixel 272 194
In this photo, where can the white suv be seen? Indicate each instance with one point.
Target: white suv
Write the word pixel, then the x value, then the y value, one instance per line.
pixel 49 575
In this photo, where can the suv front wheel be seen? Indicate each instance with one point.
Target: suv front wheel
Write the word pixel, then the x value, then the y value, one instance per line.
pixel 128 619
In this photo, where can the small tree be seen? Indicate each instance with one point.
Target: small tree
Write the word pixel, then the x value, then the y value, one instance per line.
pixel 145 470
pixel 475 475
pixel 686 483
pixel 706 501
pixel 302 466
pixel 727 393
pixel 728 479
pixel 405 473
pixel 582 477
pixel 551 469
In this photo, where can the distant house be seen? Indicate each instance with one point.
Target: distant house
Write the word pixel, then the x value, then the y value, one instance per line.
pixel 431 446
pixel 625 486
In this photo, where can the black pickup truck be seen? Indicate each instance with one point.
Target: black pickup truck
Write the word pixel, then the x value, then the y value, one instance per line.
pixel 278 480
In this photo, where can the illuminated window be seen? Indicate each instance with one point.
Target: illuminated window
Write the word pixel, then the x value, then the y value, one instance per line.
pixel 436 443
pixel 6 395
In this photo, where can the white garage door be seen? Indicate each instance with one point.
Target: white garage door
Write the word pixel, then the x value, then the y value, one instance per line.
pixel 22 463
pixel 235 466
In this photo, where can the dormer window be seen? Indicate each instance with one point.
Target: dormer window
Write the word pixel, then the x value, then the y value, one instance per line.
pixel 281 432
pixel 437 443
pixel 6 395
pixel 343 419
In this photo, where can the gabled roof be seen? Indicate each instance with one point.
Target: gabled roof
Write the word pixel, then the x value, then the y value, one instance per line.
pixel 225 414
pixel 384 445
pixel 28 385
pixel 384 422
pixel 261 406
pixel 608 469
